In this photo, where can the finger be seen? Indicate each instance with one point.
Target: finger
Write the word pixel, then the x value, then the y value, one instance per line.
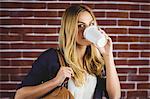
pixel 104 33
pixel 68 75
pixel 70 69
pixel 109 41
pixel 72 73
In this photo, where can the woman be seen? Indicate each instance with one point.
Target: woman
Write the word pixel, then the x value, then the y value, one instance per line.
pixel 86 62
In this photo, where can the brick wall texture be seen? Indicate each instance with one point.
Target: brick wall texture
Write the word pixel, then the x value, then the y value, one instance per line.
pixel 29 27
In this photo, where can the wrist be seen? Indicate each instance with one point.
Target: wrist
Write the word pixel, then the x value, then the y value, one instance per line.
pixel 56 81
pixel 108 55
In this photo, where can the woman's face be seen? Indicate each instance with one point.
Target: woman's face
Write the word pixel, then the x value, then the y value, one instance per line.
pixel 85 19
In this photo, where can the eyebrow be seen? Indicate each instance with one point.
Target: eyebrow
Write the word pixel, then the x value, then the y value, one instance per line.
pixel 83 22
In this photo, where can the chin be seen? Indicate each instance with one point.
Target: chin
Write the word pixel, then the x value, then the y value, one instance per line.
pixel 84 43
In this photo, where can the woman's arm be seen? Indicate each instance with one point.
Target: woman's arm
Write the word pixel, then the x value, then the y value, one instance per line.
pixel 112 80
pixel 34 92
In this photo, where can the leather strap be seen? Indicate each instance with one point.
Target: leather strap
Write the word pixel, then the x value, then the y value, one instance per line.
pixel 62 63
pixel 61 59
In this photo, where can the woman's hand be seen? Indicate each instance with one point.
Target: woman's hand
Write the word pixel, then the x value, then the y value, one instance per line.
pixel 107 49
pixel 63 73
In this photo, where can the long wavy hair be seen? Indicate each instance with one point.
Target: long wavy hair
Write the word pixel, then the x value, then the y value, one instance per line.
pixel 92 62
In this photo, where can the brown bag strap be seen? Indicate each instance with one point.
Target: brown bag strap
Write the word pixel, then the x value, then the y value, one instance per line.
pixel 61 59
pixel 62 63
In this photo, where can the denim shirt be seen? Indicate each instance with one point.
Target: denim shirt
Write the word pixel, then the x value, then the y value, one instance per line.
pixel 46 67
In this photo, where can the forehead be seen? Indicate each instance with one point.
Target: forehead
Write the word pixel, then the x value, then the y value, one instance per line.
pixel 85 16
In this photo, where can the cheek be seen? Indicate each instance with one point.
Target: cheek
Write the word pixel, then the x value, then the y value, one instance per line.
pixel 80 34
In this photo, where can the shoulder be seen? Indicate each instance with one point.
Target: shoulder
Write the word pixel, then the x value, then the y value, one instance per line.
pixel 51 52
pixel 46 57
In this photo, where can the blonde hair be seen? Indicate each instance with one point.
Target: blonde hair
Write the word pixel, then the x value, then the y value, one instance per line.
pixel 92 63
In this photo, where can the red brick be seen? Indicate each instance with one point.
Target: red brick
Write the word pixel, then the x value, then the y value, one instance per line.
pixel 21 13
pixel 139 15
pixel 142 1
pixel 106 22
pixel 126 70
pixel 145 7
pixel 120 46
pixel 92 6
pixel 14 77
pixel 4 77
pixel 139 46
pixel 32 46
pixel 10 38
pixel 60 13
pixel 34 5
pixel 45 46
pixel 11 22
pixel 123 94
pixel 116 30
pixel 134 94
pixel 114 38
pixel 4 30
pixel 8 86
pixel 34 21
pixel 128 54
pixel 127 85
pixel 117 14
pixel 144 39
pixel 53 22
pixel 45 13
pixel 11 5
pixel 34 38
pixel 122 78
pixel 14 70
pixel 138 78
pixel 145 23
pixel 52 38
pixel 105 6
pixel 21 30
pixel 143 85
pixel 138 62
pixel 58 5
pixel 127 7
pixel 21 62
pixel 40 38
pixel 22 46
pixel 138 31
pixel 146 1
pixel 114 54
pixel 145 54
pixel 10 54
pixel 121 62
pixel 9 95
pixel 5 46
pixel 128 23
pixel 30 54
pixel 5 63
pixel 128 39
pixel 144 70
pixel 4 13
pixel 99 14
pixel 45 30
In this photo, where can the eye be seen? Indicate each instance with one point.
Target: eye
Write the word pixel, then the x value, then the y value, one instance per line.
pixel 92 24
pixel 81 26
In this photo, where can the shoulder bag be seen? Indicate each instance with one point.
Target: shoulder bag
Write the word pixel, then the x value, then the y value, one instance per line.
pixel 60 92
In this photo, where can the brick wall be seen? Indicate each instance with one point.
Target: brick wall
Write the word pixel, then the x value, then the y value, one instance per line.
pixel 28 28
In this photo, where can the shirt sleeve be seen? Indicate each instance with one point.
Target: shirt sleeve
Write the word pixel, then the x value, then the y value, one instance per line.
pixel 39 71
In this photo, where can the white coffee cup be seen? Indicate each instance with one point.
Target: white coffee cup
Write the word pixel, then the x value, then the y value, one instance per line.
pixel 92 34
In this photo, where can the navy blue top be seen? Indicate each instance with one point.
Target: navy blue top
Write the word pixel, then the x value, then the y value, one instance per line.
pixel 46 67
